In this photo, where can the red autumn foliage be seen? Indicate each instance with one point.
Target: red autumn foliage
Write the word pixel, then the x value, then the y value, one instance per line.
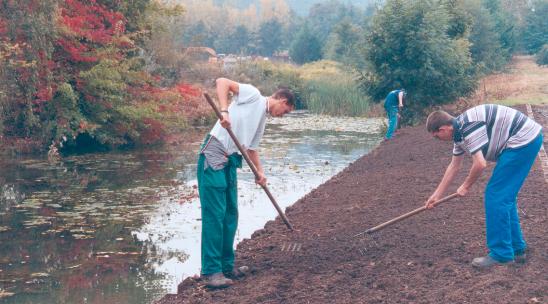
pixel 92 21
pixel 44 93
pixel 79 34
pixel 90 25
pixel 153 133
pixel 78 52
pixel 3 27
pixel 188 90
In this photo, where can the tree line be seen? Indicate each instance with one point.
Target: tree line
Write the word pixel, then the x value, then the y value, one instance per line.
pixel 436 49
pixel 112 72
pixel 79 72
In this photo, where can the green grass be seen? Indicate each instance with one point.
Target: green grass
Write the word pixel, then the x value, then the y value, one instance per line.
pixel 336 97
pixel 519 101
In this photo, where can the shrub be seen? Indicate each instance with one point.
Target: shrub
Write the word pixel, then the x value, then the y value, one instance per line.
pixel 542 56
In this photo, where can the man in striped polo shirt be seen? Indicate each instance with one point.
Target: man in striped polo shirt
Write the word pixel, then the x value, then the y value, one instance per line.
pixel 499 134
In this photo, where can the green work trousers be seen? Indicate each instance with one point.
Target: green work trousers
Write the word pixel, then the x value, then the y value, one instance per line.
pixel 219 201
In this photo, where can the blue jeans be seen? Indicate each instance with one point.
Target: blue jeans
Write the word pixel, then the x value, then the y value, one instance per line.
pixel 392 113
pixel 504 237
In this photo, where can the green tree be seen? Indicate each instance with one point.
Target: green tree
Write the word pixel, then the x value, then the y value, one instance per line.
pixel 505 24
pixel 291 30
pixel 488 27
pixel 324 16
pixel 306 47
pixel 71 67
pixel 198 34
pixel 342 43
pixel 408 45
pixel 542 56
pixel 535 33
pixel 486 48
pixel 269 37
pixel 63 116
pixel 27 35
pixel 236 42
pixel 459 19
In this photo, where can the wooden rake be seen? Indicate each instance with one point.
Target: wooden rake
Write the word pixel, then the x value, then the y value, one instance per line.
pixel 249 163
pixel 404 216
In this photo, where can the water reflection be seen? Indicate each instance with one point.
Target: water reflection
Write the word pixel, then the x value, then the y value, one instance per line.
pixel 299 153
pixel 125 227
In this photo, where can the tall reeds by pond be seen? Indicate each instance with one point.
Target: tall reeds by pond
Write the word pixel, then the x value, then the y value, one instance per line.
pixel 330 89
pixel 322 87
pixel 339 97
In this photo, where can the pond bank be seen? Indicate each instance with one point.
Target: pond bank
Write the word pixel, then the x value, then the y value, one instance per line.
pixel 124 226
pixel 424 259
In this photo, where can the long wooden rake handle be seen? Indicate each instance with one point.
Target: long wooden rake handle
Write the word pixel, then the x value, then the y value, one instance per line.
pixel 249 162
pixel 404 216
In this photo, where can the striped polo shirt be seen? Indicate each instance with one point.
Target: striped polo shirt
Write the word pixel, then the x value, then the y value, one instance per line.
pixel 491 129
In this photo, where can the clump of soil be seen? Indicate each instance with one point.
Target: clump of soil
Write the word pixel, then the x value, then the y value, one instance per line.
pixel 424 259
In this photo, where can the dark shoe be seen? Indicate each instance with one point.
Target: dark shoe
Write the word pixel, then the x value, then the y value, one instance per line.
pixel 237 273
pixel 520 257
pixel 217 280
pixel 486 262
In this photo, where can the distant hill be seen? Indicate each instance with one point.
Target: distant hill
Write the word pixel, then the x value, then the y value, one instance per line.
pixel 300 7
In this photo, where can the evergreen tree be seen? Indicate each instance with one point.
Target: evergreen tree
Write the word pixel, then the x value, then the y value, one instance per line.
pixel 239 40
pixel 535 34
pixel 199 35
pixel 542 56
pixel 306 47
pixel 235 42
pixel 486 48
pixel 323 17
pixel 459 19
pixel 342 43
pixel 269 37
pixel 408 46
pixel 505 25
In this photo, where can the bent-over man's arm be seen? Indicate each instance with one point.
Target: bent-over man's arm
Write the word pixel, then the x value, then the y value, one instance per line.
pixel 478 165
pixel 448 176
pixel 254 156
pixel 224 86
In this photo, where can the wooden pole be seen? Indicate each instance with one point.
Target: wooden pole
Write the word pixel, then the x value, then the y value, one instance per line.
pixel 404 216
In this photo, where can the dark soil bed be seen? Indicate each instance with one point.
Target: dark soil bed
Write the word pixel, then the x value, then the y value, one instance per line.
pixel 424 259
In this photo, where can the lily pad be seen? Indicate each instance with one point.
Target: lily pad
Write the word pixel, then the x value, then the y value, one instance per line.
pixel 5 294
pixel 82 236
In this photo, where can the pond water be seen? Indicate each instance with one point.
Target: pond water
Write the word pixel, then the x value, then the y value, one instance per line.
pixel 124 227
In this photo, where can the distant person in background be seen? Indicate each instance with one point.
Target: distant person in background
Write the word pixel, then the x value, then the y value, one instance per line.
pixel 216 172
pixel 498 134
pixel 392 104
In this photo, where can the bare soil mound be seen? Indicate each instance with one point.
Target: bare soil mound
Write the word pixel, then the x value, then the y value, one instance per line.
pixel 424 259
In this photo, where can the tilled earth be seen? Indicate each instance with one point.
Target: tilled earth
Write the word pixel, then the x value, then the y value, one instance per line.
pixel 423 259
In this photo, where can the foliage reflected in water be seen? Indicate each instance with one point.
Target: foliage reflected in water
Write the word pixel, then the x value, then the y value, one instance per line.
pixel 124 227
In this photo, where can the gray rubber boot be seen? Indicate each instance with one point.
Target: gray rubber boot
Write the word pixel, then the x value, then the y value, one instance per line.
pixel 217 280
pixel 486 261
pixel 237 273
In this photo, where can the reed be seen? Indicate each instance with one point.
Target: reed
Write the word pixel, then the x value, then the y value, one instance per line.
pixel 336 97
